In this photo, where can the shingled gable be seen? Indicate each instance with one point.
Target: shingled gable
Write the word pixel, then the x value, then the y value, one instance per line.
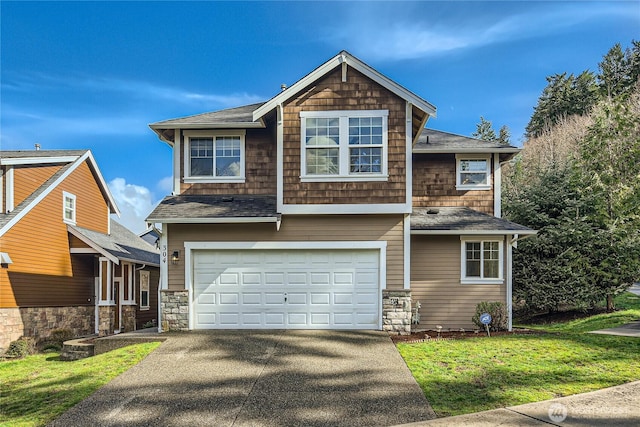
pixel 344 59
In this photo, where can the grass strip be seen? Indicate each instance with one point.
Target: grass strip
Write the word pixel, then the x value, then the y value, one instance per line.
pixel 37 389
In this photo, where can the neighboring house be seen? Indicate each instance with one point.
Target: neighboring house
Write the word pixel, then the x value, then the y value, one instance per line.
pixel 65 264
pixel 330 206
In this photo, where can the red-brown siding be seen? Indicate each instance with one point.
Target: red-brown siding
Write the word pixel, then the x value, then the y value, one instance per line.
pixel 434 184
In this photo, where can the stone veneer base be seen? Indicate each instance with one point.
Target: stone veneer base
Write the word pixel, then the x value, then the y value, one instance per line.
pixel 39 322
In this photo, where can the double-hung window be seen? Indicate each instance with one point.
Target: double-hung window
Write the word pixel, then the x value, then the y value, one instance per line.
pixel 473 172
pixel 69 208
pixel 482 261
pixel 214 156
pixel 344 145
pixel 144 290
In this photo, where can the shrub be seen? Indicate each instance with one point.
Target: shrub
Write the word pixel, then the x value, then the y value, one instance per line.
pixel 498 312
pixel 21 347
pixel 56 340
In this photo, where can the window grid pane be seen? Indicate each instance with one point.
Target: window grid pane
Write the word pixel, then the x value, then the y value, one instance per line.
pixel 491 259
pixel 473 172
pixel 473 255
pixel 201 156
pixel 228 156
pixel 322 161
pixel 322 131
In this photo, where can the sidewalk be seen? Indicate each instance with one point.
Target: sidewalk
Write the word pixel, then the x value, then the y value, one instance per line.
pixel 616 406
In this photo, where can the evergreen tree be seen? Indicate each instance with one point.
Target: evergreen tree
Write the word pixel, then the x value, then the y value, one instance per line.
pixel 619 71
pixel 565 95
pixel 485 132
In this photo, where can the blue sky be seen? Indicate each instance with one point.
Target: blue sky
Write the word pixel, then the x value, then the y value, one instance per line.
pixel 94 74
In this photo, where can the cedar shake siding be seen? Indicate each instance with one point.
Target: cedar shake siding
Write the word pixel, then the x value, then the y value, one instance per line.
pixel 39 243
pixel 28 179
pixel 298 228
pixel 434 185
pixel 435 282
pixel 358 93
pixel 260 168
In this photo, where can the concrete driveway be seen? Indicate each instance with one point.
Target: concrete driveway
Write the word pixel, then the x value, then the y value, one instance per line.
pixel 261 378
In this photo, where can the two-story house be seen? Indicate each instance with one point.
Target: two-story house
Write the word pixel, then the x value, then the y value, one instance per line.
pixel 65 263
pixel 330 206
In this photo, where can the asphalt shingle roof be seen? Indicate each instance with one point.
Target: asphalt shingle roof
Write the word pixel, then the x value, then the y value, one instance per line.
pixel 243 114
pixel 438 141
pixel 461 219
pixel 214 206
pixel 122 244
pixel 18 154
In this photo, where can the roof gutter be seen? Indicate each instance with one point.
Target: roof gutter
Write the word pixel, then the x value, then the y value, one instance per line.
pixel 525 233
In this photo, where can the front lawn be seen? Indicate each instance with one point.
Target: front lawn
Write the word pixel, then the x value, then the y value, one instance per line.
pixel 477 374
pixel 38 388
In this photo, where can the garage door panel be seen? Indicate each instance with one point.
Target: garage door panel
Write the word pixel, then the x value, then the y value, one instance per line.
pixel 271 278
pixel 297 298
pixel 251 298
pixel 229 298
pixel 319 279
pixel 301 289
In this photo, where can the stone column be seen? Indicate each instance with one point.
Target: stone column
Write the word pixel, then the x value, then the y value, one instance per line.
pixel 175 310
pixel 396 311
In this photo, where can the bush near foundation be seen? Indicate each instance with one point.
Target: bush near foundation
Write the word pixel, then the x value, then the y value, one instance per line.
pixel 498 312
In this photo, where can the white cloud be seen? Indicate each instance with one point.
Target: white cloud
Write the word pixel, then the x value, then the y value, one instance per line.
pixel 135 203
pixel 395 33
pixel 165 185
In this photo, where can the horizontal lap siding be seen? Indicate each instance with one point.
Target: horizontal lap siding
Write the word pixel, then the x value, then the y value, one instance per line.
pixel 387 228
pixel 434 184
pixel 39 245
pixel 144 316
pixel 27 179
pixel 358 93
pixel 260 168
pixel 435 282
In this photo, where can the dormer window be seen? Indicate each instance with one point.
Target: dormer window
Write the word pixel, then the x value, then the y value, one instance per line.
pixel 473 172
pixel 344 145
pixel 69 208
pixel 214 156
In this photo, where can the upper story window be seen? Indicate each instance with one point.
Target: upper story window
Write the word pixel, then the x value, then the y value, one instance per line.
pixel 68 208
pixel 344 145
pixel 482 261
pixel 473 172
pixel 214 156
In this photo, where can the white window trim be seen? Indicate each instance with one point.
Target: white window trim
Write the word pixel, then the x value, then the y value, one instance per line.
pixel 463 258
pixel 148 275
pixel 343 116
pixel 70 196
pixel 461 157
pixel 128 299
pixel 109 301
pixel 213 134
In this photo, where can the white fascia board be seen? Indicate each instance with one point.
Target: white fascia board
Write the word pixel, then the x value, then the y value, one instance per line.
pixel 93 245
pixel 357 65
pixel 472 232
pixel 37 160
pixel 137 261
pixel 102 182
pixel 83 251
pixel 294 245
pixel 219 220
pixel 339 209
pixel 465 150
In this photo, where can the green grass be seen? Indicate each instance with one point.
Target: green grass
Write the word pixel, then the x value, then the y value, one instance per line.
pixel 477 374
pixel 37 389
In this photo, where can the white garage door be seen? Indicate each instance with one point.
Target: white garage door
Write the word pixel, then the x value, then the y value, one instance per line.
pixel 304 289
